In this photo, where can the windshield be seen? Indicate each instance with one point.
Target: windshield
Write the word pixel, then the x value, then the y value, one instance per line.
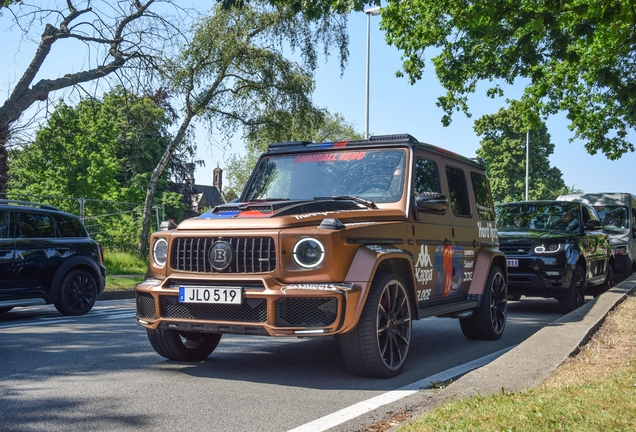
pixel 538 216
pixel 613 219
pixel 376 175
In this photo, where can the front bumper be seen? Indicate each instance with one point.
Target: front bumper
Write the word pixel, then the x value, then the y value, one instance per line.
pixel 539 277
pixel 268 308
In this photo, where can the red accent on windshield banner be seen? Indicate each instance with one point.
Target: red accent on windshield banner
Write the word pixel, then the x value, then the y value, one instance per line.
pixel 328 157
pixel 340 144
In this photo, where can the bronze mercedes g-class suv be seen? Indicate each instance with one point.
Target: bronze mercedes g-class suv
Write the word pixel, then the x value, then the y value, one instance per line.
pixel 350 239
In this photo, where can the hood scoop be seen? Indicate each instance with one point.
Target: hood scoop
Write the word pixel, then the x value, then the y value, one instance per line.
pixel 285 208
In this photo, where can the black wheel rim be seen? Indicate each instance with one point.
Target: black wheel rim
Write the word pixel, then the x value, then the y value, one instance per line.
pixel 498 303
pixel 80 292
pixel 394 325
pixel 579 283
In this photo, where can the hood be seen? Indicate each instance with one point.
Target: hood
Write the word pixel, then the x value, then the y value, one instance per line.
pixel 531 235
pixel 281 214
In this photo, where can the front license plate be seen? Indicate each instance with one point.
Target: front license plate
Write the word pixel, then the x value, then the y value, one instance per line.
pixel 224 295
pixel 512 263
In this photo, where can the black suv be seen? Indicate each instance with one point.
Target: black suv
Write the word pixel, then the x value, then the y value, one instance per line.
pixel 554 249
pixel 46 256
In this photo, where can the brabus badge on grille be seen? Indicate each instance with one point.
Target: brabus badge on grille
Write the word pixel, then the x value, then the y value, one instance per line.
pixel 220 255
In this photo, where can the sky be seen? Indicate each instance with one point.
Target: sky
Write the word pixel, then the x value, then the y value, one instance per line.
pixel 395 106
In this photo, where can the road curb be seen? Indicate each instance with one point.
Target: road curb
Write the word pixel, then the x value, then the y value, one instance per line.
pixel 533 361
pixel 116 295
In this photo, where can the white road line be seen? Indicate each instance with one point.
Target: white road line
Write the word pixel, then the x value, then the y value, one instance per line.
pixel 346 414
pixel 38 323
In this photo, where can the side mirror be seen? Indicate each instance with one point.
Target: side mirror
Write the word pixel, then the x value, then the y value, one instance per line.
pixel 592 224
pixel 431 202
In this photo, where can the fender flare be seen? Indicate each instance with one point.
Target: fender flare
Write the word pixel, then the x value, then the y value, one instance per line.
pixel 486 258
pixel 73 262
pixel 366 263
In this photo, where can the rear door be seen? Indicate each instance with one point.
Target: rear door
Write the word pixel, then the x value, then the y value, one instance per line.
pixel 7 250
pixel 595 247
pixel 37 253
pixel 467 230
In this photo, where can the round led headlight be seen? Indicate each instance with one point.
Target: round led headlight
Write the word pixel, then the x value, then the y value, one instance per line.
pixel 308 252
pixel 160 251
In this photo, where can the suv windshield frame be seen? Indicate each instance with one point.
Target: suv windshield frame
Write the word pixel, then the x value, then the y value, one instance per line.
pixel 377 175
pixel 538 216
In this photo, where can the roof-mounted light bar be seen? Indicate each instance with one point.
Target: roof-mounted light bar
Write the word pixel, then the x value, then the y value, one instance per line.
pixel 280 145
pixel 395 137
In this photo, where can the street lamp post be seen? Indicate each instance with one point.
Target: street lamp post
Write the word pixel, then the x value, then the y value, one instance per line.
pixel 372 11
pixel 527 163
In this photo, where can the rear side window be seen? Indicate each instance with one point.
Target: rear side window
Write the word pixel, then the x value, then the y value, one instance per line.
pixel 70 226
pixel 457 190
pixel 426 177
pixel 5 224
pixel 36 225
pixel 482 196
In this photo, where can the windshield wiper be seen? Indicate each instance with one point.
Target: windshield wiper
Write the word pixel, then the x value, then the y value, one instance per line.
pixel 367 203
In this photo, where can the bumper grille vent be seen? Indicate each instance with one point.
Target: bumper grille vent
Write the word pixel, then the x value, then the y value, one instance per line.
pixel 146 306
pixel 249 254
pixel 252 310
pixel 306 312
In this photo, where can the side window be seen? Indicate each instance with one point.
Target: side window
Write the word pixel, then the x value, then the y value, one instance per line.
pixel 457 191
pixel 5 224
pixel 36 225
pixel 481 190
pixel 587 215
pixel 426 177
pixel 70 226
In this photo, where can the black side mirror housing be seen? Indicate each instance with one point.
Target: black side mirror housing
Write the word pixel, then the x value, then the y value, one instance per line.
pixel 431 202
pixel 592 224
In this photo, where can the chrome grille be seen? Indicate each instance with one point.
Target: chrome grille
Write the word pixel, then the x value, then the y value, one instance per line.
pixel 252 310
pixel 515 249
pixel 250 254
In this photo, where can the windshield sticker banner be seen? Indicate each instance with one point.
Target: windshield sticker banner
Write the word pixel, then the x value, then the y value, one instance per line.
pixel 329 157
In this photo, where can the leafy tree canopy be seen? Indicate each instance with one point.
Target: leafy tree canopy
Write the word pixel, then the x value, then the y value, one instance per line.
pixel 577 56
pixel 311 9
pixel 100 149
pixel 503 146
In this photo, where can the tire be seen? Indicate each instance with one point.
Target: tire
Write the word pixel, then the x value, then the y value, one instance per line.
pixel 488 320
pixel 4 310
pixel 378 346
pixel 77 293
pixel 575 297
pixel 183 346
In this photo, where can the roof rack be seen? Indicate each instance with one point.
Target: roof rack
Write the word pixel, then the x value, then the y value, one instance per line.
pixel 279 145
pixel 29 204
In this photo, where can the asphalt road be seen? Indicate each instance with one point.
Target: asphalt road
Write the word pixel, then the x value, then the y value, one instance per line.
pixel 99 372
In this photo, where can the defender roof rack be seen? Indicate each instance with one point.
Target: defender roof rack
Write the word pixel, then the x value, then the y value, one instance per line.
pixel 376 139
pixel 28 204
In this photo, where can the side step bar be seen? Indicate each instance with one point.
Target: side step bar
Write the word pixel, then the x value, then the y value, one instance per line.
pixel 449 310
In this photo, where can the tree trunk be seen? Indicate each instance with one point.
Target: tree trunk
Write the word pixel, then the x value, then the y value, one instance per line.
pixel 144 239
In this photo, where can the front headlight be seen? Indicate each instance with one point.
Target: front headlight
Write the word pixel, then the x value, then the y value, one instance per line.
pixel 551 248
pixel 308 252
pixel 160 251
